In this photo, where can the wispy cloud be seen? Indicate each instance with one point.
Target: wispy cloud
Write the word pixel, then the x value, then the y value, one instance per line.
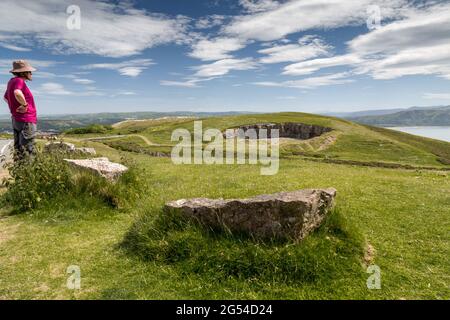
pixel 311 66
pixel 309 83
pixel 186 83
pixel 278 20
pixel 416 45
pixel 210 21
pixel 51 88
pixel 131 68
pixel 57 89
pixel 223 67
pixel 13 47
pixel 123 93
pixel 83 81
pixel 255 6
pixel 307 47
pixel 215 49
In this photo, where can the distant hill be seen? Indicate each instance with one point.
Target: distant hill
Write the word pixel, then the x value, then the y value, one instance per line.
pixel 439 116
pixel 63 122
pixel 363 113
pixel 377 112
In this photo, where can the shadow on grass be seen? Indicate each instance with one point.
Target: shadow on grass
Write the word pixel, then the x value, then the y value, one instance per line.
pixel 336 249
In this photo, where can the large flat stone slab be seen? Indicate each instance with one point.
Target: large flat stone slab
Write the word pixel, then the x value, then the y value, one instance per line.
pixel 102 166
pixel 281 215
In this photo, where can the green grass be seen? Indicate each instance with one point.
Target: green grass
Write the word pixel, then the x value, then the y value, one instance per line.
pixel 217 256
pixel 126 253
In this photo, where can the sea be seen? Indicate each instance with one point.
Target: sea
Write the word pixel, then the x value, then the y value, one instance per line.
pixel 439 133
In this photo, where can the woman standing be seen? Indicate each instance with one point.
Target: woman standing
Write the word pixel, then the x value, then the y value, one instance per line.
pixel 22 108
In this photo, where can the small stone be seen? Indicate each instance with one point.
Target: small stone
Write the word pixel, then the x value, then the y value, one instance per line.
pixel 291 215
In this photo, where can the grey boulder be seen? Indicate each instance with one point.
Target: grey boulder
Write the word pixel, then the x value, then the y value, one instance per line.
pixel 289 215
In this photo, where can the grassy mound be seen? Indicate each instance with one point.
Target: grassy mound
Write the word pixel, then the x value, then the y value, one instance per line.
pixel 335 248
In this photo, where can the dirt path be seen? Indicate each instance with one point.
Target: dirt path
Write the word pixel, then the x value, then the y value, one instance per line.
pixel 146 140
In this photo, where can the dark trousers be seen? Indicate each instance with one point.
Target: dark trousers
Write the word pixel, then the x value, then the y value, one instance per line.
pixel 24 134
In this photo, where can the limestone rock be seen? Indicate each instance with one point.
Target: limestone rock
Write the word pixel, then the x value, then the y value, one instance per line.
pixel 286 130
pixel 67 148
pixel 59 146
pixel 290 215
pixel 102 166
pixel 84 150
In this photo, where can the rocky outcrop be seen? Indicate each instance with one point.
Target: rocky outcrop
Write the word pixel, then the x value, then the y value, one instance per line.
pixel 59 147
pixel 101 166
pixel 85 150
pixel 291 215
pixel 286 130
pixel 67 148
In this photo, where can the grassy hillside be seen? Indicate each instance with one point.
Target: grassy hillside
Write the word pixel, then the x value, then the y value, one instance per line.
pixel 394 218
pixel 411 117
pixel 347 141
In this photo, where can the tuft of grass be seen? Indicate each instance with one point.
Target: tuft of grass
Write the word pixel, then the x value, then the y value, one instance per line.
pixel 46 181
pixel 93 128
pixel 337 247
pixel 36 180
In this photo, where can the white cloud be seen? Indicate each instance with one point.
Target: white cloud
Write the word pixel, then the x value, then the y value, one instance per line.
pixel 187 83
pixel 417 45
pixel 301 15
pixel 131 68
pixel 310 83
pixel 253 6
pixel 436 96
pixel 210 21
pixel 215 49
pixel 13 47
pixel 123 93
pixel 308 47
pixel 311 66
pixel 83 81
pixel 223 67
pixel 57 89
pixel 107 29
pixel 51 88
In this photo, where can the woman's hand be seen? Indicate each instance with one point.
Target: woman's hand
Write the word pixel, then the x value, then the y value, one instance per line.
pixel 22 109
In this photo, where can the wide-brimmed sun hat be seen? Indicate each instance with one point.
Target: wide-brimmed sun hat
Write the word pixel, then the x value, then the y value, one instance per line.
pixel 22 66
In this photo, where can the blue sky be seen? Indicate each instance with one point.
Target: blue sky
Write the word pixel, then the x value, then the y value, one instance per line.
pixel 246 55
